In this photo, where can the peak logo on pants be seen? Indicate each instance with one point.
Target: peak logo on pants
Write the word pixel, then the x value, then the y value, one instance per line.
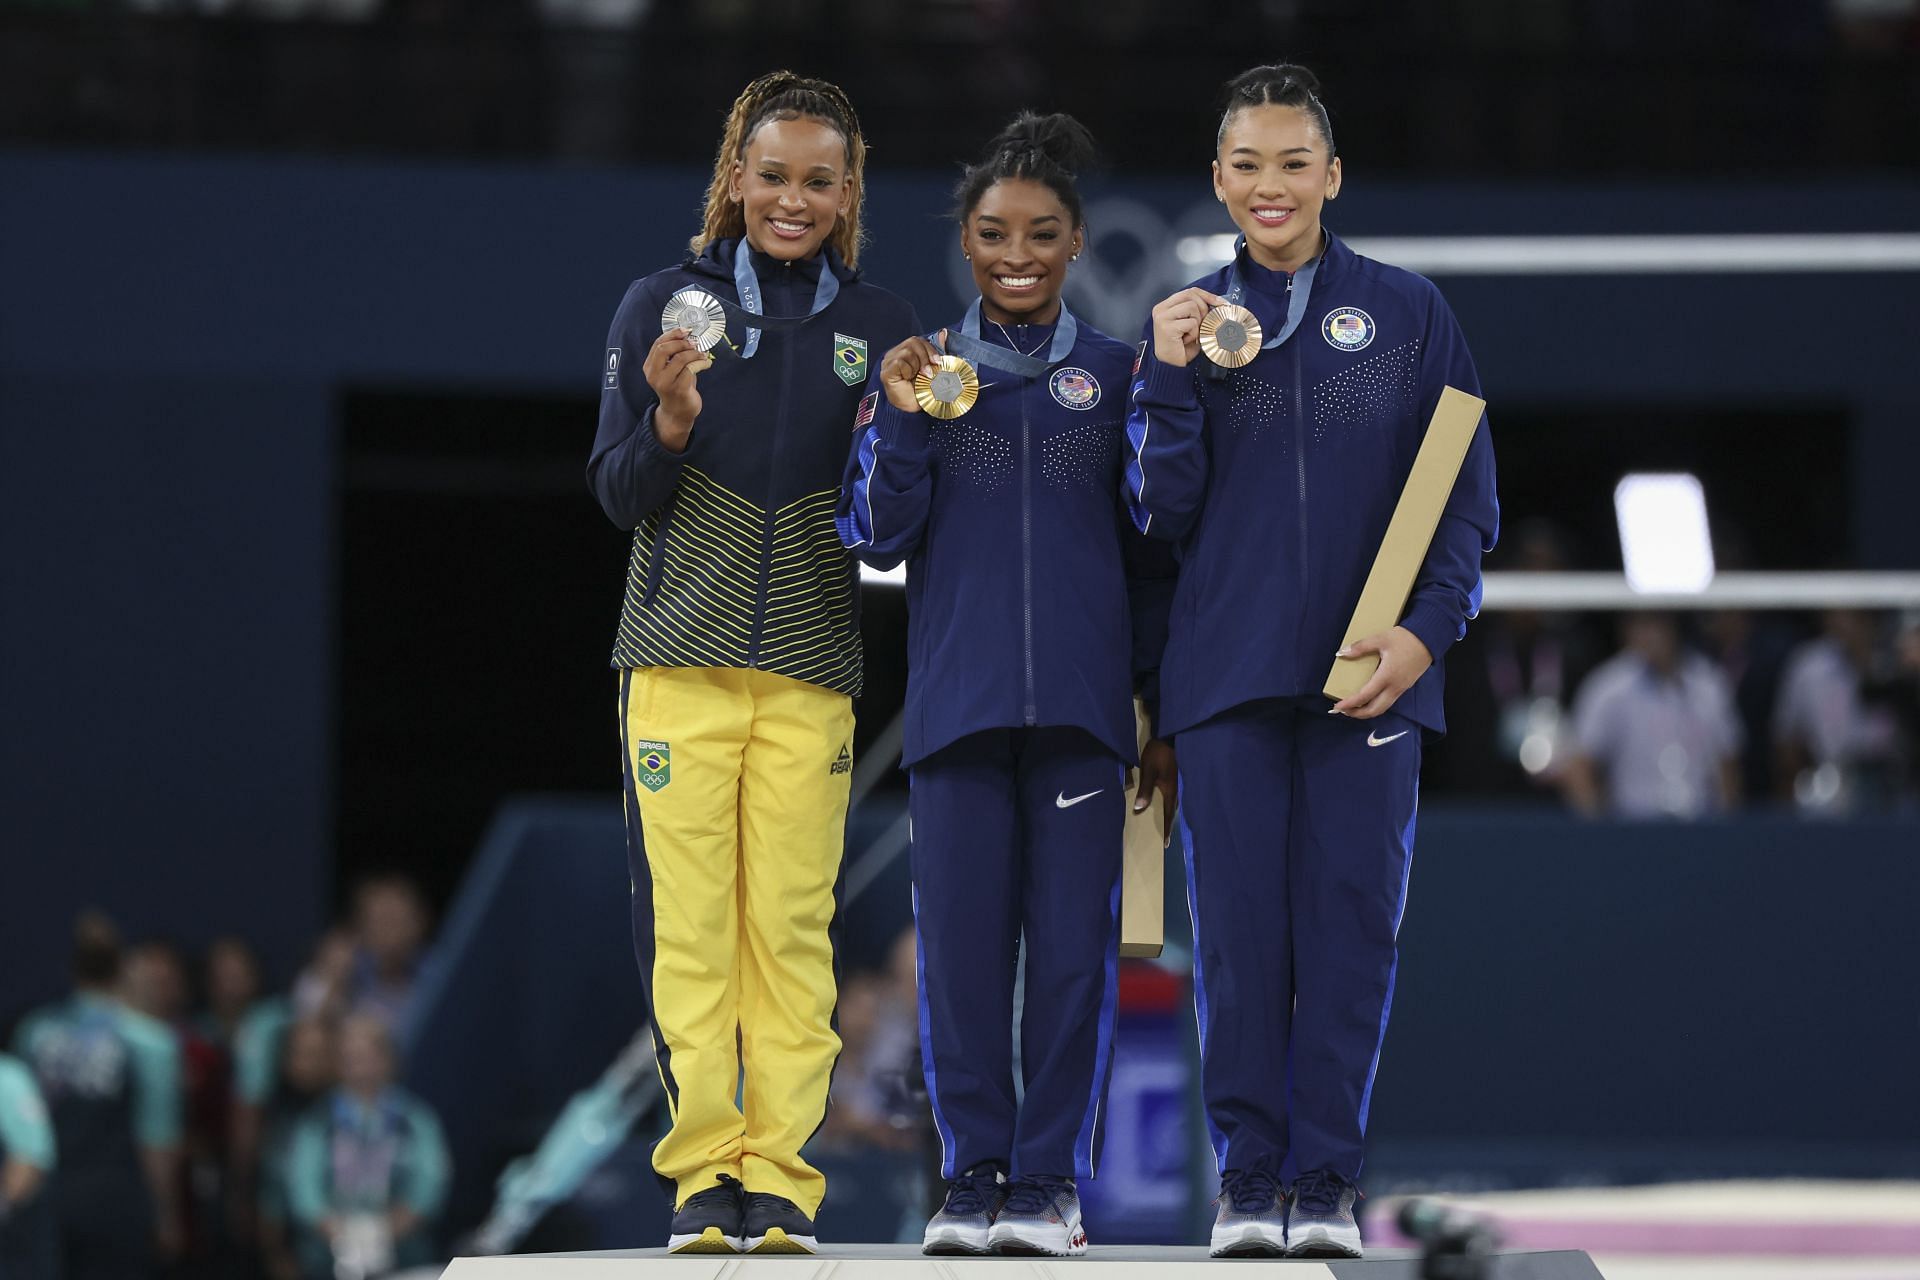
pixel 843 763
pixel 654 767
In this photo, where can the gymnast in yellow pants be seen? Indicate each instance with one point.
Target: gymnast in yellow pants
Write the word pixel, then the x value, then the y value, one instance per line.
pixel 739 651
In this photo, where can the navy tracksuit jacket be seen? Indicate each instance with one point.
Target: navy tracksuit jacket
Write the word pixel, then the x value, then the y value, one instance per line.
pixel 1031 604
pixel 1277 483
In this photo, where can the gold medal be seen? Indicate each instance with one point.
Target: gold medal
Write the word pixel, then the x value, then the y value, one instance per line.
pixel 950 390
pixel 1230 336
pixel 700 314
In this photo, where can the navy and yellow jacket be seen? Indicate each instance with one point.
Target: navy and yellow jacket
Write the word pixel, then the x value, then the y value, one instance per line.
pixel 1277 483
pixel 1030 600
pixel 735 560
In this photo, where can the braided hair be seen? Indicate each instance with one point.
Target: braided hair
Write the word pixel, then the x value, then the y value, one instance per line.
pixel 1279 84
pixel 782 95
pixel 1048 149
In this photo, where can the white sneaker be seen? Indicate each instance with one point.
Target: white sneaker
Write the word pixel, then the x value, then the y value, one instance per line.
pixel 1320 1221
pixel 1040 1218
pixel 1252 1219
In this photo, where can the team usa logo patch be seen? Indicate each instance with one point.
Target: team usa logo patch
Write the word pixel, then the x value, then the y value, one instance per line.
pixel 1347 329
pixel 653 764
pixel 1074 388
pixel 869 404
pixel 612 379
pixel 850 359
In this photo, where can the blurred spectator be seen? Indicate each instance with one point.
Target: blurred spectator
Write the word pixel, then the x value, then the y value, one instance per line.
pixel 878 1098
pixel 233 986
pixel 372 968
pixel 1751 650
pixel 321 991
pixel 1838 742
pixel 1510 683
pixel 368 1169
pixel 302 1075
pixel 111 1078
pixel 26 1158
pixel 157 984
pixel 1655 734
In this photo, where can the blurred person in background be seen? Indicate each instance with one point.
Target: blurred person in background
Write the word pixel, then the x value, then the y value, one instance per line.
pixel 258 1040
pixel 233 990
pixel 1836 737
pixel 390 923
pixel 323 987
pixel 303 1072
pixel 878 1098
pixel 371 965
pixel 157 983
pixel 111 1078
pixel 367 1169
pixel 26 1162
pixel 1511 680
pixel 1655 734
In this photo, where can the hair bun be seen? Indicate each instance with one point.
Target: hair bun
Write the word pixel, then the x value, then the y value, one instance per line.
pixel 1058 138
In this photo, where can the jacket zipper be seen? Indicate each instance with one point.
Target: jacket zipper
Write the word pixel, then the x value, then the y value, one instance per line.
pixel 1300 438
pixel 1026 554
pixel 767 520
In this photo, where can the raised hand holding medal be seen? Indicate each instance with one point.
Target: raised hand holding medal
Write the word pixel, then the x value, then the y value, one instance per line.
pixel 905 366
pixel 1176 325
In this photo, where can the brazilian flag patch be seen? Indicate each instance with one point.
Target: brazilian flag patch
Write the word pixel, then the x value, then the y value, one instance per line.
pixel 654 767
pixel 850 359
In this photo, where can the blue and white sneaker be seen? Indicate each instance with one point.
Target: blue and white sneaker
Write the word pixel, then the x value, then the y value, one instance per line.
pixel 1252 1219
pixel 1320 1222
pixel 962 1225
pixel 1041 1218
pixel 709 1222
pixel 774 1224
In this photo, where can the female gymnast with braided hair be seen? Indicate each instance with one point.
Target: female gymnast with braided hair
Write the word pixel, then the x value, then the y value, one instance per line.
pixel 738 650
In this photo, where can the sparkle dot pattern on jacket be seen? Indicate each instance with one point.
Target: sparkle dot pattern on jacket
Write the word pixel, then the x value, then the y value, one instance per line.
pixel 1378 389
pixel 1082 457
pixel 974 455
pixel 1253 405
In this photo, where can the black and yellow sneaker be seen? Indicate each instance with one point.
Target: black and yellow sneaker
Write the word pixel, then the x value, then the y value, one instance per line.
pixel 776 1225
pixel 710 1221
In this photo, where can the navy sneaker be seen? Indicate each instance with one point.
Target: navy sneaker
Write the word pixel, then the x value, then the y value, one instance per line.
pixel 973 1200
pixel 1041 1218
pixel 709 1222
pixel 1252 1221
pixel 776 1225
pixel 1320 1222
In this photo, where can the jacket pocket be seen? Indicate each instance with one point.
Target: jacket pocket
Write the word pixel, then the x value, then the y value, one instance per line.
pixel 657 554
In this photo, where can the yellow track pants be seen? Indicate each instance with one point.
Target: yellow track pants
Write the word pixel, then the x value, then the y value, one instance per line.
pixel 736 799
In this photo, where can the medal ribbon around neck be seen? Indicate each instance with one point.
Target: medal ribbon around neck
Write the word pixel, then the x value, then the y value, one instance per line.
pixel 967 343
pixel 1299 287
pixel 748 286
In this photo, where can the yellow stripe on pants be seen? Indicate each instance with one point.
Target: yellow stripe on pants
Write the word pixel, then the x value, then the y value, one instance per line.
pixel 741 780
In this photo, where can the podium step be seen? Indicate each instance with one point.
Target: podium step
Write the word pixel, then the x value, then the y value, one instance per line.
pixel 902 1262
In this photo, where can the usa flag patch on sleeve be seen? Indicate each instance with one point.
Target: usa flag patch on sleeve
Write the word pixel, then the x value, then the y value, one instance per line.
pixel 868 404
pixel 1139 358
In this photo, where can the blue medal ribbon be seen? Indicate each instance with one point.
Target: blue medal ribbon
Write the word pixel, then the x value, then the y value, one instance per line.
pixel 747 284
pixel 967 344
pixel 1299 288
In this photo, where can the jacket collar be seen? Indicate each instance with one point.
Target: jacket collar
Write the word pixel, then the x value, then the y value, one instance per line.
pixel 717 260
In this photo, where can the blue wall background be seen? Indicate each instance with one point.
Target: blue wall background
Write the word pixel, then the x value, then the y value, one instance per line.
pixel 175 331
